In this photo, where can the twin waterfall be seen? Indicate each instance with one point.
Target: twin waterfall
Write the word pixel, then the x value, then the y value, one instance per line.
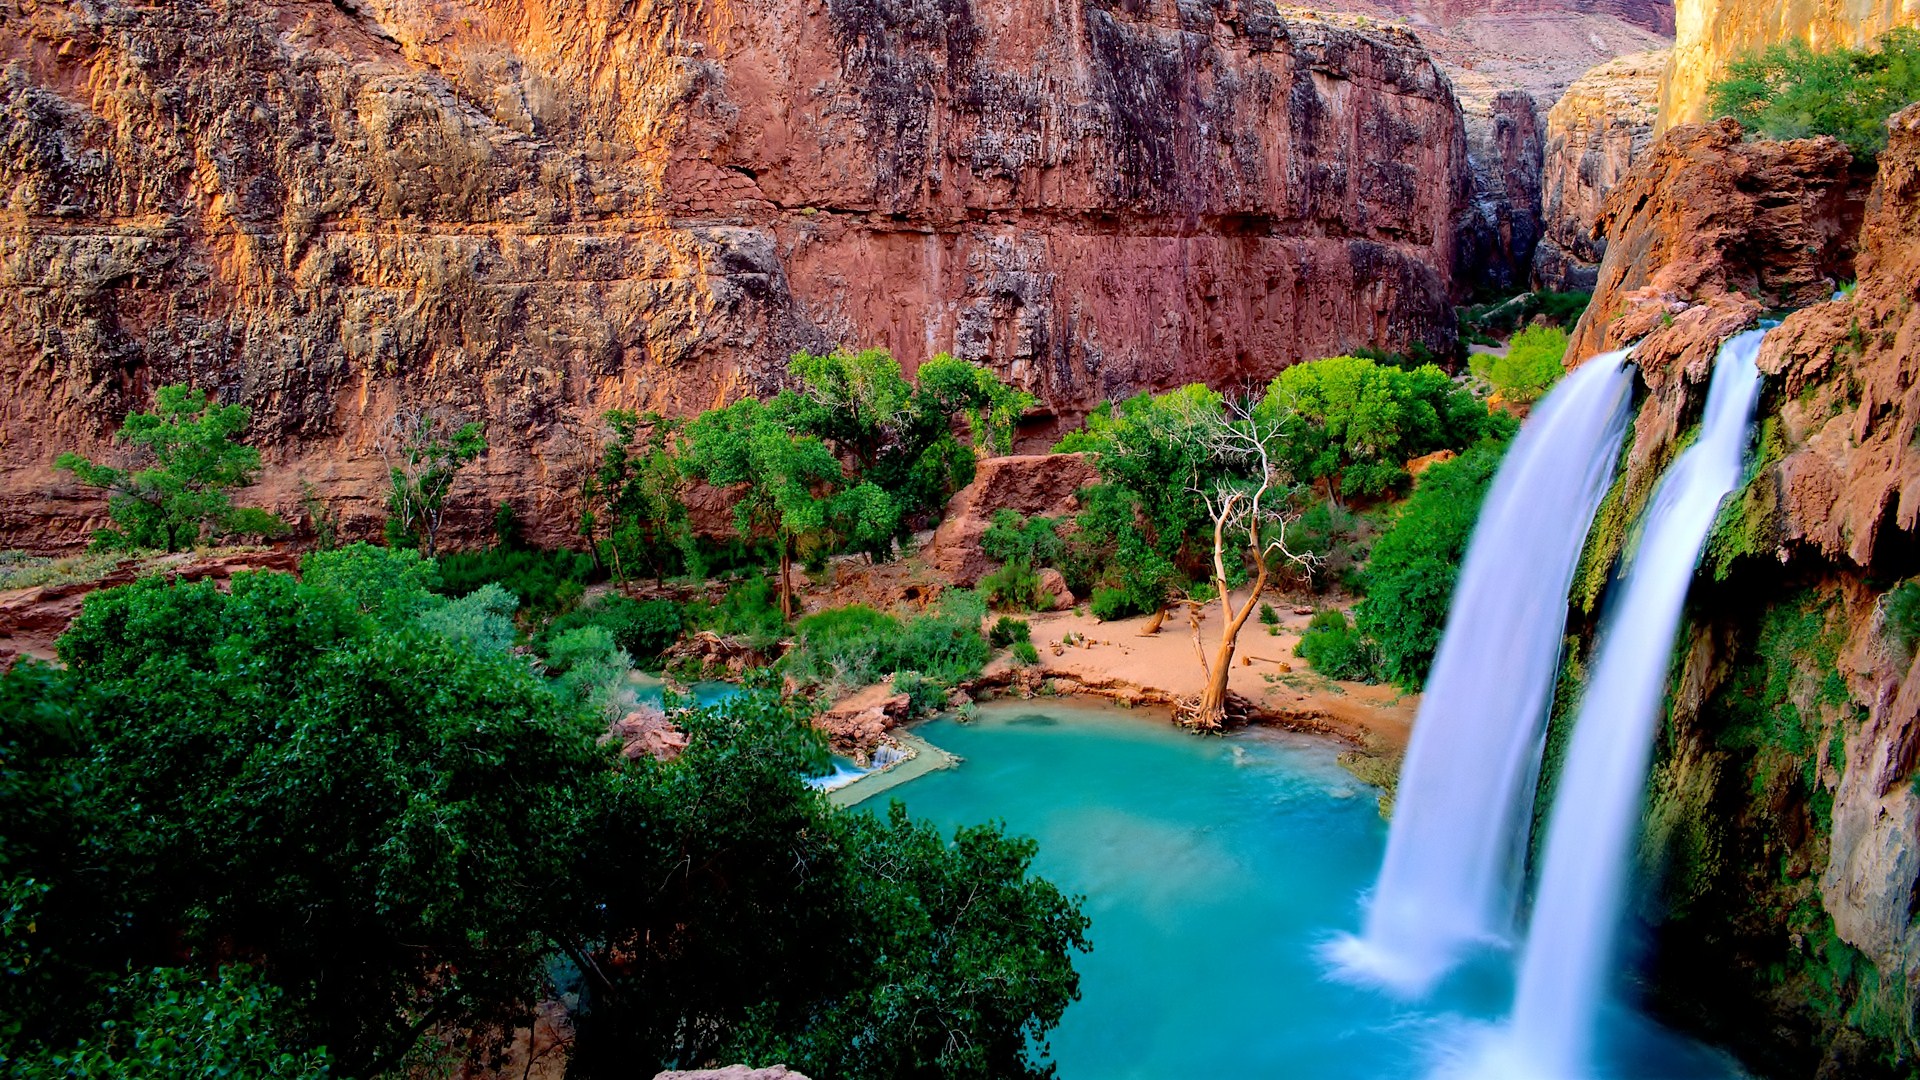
pixel 1452 879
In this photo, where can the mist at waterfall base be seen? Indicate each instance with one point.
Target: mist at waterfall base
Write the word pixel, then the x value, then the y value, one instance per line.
pixel 1450 881
pixel 1213 869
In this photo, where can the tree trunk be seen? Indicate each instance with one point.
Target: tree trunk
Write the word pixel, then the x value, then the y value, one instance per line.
pixel 1153 624
pixel 786 578
pixel 1211 714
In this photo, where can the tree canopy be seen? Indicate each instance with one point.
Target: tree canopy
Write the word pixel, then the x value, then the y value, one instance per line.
pixel 182 497
pixel 1793 91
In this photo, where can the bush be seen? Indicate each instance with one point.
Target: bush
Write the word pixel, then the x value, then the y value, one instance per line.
pixel 1268 616
pixel 1791 91
pixel 1025 654
pixel 1337 650
pixel 1007 630
pixel 925 695
pixel 1015 587
pixel 1012 537
pixel 856 646
pixel 481 620
pixel 1532 364
pixel 591 668
pixel 1903 615
pixel 395 585
pixel 1411 575
pixel 749 610
pixel 547 582
pixel 642 628
pixel 1357 422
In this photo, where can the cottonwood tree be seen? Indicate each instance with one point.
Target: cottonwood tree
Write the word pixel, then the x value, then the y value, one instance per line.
pixel 636 487
pixel 425 450
pixel 1249 508
pixel 181 497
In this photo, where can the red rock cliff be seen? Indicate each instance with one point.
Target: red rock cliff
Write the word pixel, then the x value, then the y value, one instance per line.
pixel 532 212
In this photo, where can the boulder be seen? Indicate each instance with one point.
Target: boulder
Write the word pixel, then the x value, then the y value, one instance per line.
pixel 855 725
pixel 1031 484
pixel 646 732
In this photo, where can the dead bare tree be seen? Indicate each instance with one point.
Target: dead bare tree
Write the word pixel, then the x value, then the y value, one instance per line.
pixel 1250 508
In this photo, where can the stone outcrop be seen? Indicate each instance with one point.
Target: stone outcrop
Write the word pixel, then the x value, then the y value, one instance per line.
pixel 1504 150
pixel 333 211
pixel 1709 34
pixel 1029 484
pixel 1594 134
pixel 855 725
pixel 1784 816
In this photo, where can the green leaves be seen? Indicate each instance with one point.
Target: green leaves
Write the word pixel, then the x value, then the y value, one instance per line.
pixel 1792 91
pixel 181 498
pixel 1356 422
pixel 1533 363
pixel 425 451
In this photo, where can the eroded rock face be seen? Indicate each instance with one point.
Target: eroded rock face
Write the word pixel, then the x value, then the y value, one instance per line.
pixel 1594 134
pixel 1028 484
pixel 1789 836
pixel 530 214
pixel 1504 148
pixel 1709 34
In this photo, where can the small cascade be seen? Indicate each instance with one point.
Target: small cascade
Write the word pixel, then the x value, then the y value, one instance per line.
pixel 1572 949
pixel 1451 874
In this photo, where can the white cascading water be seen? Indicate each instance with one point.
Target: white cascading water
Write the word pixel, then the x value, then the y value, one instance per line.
pixel 1572 945
pixel 1452 871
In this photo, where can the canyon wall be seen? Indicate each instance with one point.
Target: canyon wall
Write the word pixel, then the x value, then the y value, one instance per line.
pixel 1708 34
pixel 532 212
pixel 1783 823
pixel 1594 133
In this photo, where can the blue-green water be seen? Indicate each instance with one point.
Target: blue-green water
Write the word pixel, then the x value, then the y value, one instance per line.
pixel 1214 870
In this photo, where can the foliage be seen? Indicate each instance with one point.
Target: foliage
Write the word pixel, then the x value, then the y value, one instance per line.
pixel 425 452
pixel 1012 536
pixel 547 582
pixel 323 519
pixel 638 487
pixel 351 806
pixel 182 497
pixel 1411 575
pixel 1025 654
pixel 643 629
pixel 1532 363
pixel 481 620
pixel 1007 630
pixel 1902 613
pixel 169 1023
pixel 925 696
pixel 748 610
pixel 1479 323
pixel 856 646
pixel 400 833
pixel 1337 650
pixel 21 570
pixel 762 925
pixel 1268 616
pixel 1792 91
pixel 1109 554
pixel 592 669
pixel 1353 423
pixel 1015 587
pixel 900 435
pixel 393 584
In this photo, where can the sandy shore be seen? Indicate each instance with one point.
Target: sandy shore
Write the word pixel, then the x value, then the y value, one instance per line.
pixel 1118 662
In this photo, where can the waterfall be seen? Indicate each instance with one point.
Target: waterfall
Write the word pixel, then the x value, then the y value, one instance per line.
pixel 1451 874
pixel 1573 938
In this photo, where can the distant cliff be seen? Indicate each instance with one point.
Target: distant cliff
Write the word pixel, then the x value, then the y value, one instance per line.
pixel 1708 34
pixel 1594 133
pixel 331 209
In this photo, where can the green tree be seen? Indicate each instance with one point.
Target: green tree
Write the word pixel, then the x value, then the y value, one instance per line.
pixel 1532 365
pixel 182 497
pixel 1355 423
pixel 638 488
pixel 792 486
pixel 1792 91
pixel 425 451
pixel 1411 576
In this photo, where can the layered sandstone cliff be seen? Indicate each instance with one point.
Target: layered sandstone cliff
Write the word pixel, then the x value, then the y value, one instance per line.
pixel 1709 34
pixel 1784 821
pixel 530 213
pixel 1594 133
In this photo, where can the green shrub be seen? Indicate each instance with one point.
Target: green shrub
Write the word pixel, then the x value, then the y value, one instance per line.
pixel 1903 615
pixel 642 628
pixel 856 646
pixel 1025 654
pixel 1532 364
pixel 1356 422
pixel 1108 604
pixel 750 609
pixel 482 619
pixel 1792 91
pixel 395 585
pixel 925 695
pixel 1007 630
pixel 591 668
pixel 1015 587
pixel 1268 616
pixel 1337 650
pixel 1012 537
pixel 547 582
pixel 1411 575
